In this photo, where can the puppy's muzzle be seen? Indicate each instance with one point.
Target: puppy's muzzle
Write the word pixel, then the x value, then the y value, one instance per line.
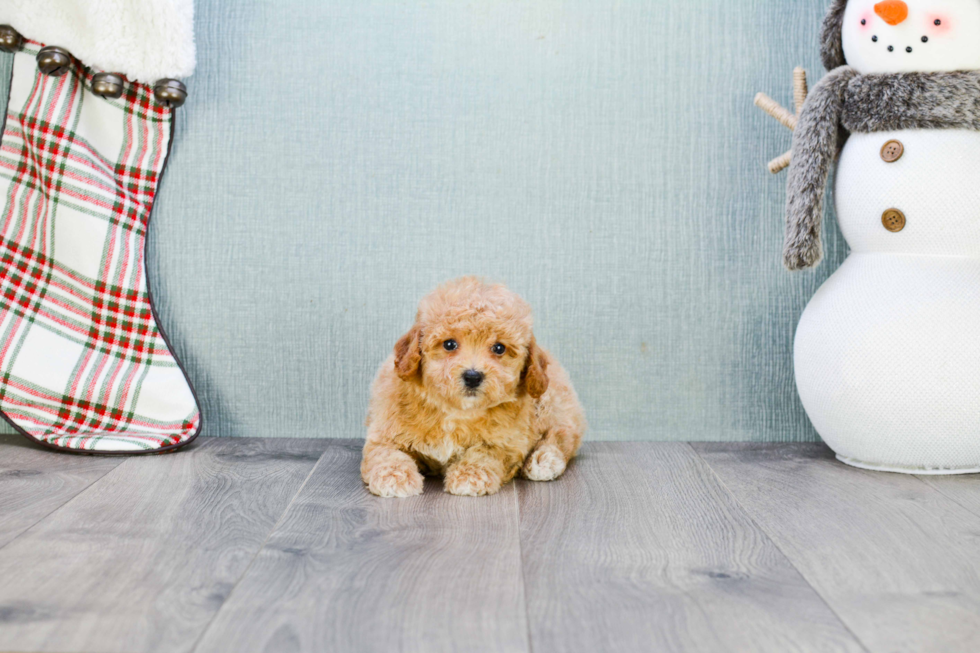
pixel 472 379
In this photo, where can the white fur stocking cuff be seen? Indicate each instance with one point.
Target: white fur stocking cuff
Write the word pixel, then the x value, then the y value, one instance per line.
pixel 143 39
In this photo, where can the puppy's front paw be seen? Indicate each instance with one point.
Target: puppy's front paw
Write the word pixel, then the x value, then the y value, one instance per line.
pixel 546 463
pixel 395 481
pixel 469 480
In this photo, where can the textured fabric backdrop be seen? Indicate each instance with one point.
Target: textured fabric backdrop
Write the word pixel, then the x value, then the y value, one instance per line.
pixel 337 160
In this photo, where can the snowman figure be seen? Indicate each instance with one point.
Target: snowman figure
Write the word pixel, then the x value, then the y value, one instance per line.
pixel 887 353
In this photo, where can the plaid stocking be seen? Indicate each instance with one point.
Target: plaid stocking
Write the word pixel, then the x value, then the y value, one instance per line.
pixel 84 365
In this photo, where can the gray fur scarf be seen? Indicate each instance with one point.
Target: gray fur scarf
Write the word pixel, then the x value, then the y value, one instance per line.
pixel 845 102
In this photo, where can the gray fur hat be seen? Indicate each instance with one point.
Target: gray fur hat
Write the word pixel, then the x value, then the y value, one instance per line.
pixel 831 43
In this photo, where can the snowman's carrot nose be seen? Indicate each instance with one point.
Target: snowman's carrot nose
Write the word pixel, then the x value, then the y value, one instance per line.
pixel 893 12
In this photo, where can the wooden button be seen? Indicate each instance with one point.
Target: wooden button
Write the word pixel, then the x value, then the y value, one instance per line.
pixel 893 220
pixel 892 151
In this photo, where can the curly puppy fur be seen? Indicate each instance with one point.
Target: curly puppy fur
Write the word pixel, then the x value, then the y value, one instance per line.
pixel 424 419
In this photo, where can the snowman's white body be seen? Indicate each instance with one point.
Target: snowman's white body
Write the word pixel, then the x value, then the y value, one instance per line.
pixel 887 353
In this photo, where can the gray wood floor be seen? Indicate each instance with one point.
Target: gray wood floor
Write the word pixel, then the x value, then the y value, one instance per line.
pixel 274 545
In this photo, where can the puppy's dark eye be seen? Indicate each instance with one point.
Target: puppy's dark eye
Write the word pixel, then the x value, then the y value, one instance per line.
pixel 450 345
pixel 498 349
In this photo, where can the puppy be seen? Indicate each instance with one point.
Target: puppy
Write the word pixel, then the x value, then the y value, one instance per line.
pixel 468 394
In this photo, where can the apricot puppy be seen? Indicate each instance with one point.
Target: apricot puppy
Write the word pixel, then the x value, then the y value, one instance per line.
pixel 468 394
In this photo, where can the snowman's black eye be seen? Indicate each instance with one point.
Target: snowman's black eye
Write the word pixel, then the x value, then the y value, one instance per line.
pixel 864 22
pixel 925 39
pixel 938 22
pixel 450 345
pixel 874 38
pixel 498 349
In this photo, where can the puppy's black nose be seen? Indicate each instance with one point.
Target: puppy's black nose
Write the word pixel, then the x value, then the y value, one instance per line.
pixel 472 379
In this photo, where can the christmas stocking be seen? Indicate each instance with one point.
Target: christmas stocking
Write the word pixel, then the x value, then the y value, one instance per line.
pixel 84 364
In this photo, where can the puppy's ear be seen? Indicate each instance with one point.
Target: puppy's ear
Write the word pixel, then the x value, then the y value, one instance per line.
pixel 535 371
pixel 408 354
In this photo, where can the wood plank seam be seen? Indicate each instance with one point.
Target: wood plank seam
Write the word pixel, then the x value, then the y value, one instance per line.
pixel 769 535
pixel 145 559
pixel 348 571
pixel 520 553
pixel 640 548
pixel 258 551
pixel 972 510
pixel 59 508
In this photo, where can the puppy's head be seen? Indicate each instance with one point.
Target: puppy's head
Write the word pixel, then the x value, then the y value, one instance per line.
pixel 472 347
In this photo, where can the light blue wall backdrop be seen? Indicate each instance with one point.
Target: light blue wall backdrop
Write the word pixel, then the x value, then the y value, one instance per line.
pixel 338 159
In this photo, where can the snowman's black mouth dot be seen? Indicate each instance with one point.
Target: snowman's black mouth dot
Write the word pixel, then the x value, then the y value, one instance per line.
pixel 891 48
pixel 908 49
pixel 925 39
pixel 938 22
pixel 864 22
pixel 874 38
